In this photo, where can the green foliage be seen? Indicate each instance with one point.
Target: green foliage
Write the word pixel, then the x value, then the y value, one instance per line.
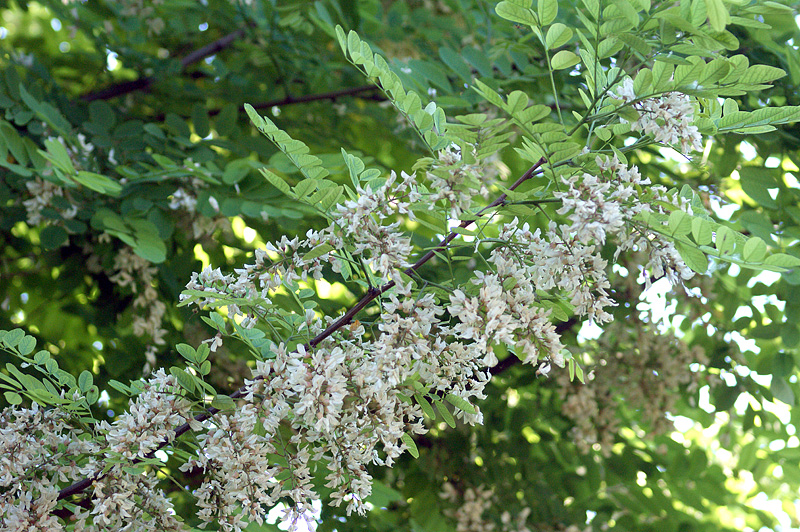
pixel 111 196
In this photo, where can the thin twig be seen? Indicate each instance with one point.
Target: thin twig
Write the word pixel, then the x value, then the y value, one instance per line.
pixel 333 95
pixel 370 296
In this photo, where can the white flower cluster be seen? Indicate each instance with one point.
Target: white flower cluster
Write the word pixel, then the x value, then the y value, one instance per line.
pixel 645 367
pixel 182 200
pixel 35 447
pixel 42 193
pixel 505 311
pixel 473 502
pixel 145 11
pixel 150 420
pixel 346 400
pixel 239 471
pixel 664 259
pixel 128 501
pixel 131 270
pixel 383 246
pixel 668 118
pixel 568 257
pixel 185 200
pixel 454 182
pixel 41 448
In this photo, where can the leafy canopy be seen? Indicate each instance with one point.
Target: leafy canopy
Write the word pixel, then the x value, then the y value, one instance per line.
pixel 141 142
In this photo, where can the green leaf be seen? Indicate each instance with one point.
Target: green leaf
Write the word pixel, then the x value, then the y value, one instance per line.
pixel 85 381
pixel 425 405
pixel 185 380
pixel 479 60
pixel 225 122
pixel 662 75
pixel 680 223
pixel 782 260
pixel 223 403
pixel 13 398
pixel 725 241
pixel 58 156
pixel 757 183
pixel 557 35
pixel 643 81
pixel 150 247
pixel 742 121
pixel 445 413
pixel 564 59
pixel 277 182
pixel 517 101
pixel 782 365
pixel 305 187
pixel 634 42
pixel 236 170
pixel 782 391
pixel 318 251
pixel 714 71
pixel 757 74
pixel 341 38
pixel 628 12
pixel 120 387
pixel 412 447
pixel 488 93
pixel 188 352
pixel 548 11
pixel 26 345
pixel 755 249
pixel 693 257
pixel 718 15
pixel 53 237
pixel 516 13
pixel 41 357
pixel 593 6
pixel 456 63
pixel 203 351
pixel 326 198
pixel 200 121
pixel 46 112
pixel 13 337
pixel 98 183
pixel 701 231
pixel 461 403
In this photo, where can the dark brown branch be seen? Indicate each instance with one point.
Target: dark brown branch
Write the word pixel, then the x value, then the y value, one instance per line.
pixel 333 95
pixel 290 100
pixel 126 87
pixel 370 296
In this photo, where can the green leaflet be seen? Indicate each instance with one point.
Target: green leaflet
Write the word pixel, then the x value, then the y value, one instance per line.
pixel 429 121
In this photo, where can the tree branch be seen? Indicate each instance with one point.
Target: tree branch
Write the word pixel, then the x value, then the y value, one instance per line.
pixel 370 296
pixel 126 87
pixel 333 95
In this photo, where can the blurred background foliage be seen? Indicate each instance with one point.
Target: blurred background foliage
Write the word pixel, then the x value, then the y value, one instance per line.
pixel 147 98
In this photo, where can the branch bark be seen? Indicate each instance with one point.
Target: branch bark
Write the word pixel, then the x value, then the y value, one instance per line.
pixel 126 87
pixel 333 95
pixel 348 317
